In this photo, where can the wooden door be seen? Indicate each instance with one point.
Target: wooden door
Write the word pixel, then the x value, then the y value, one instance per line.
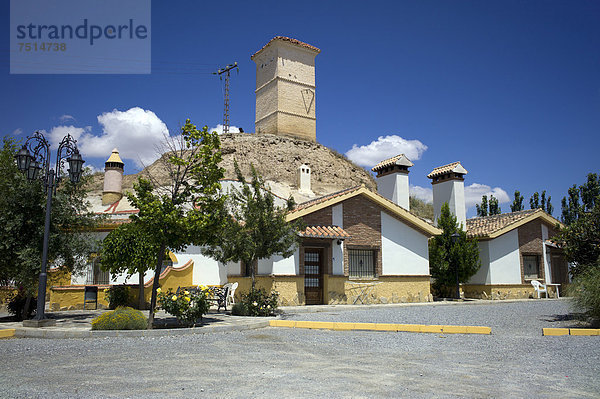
pixel 313 276
pixel 560 271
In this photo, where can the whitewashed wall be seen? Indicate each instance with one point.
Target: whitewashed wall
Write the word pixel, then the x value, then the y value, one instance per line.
pixel 546 255
pixel 404 249
pixel 337 258
pixel 484 274
pixel 279 265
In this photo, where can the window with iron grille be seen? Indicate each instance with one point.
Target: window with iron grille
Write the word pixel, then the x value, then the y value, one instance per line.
pixel 361 263
pixel 95 275
pixel 531 266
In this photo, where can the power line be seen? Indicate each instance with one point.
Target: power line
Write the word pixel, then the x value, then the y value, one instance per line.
pixel 220 72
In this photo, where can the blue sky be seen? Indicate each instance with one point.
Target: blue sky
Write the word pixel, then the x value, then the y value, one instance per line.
pixel 509 88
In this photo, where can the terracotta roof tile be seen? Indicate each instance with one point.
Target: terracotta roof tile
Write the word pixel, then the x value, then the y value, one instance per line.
pixel 486 225
pixel 288 39
pixel 332 232
pixel 323 199
pixel 401 160
pixel 452 167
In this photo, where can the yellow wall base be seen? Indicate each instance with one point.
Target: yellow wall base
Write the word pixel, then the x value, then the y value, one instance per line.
pixel 391 289
pixel 504 291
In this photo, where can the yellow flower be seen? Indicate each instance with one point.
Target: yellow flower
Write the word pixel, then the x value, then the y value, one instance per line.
pixel 158 290
pixel 174 298
pixel 187 298
pixel 186 293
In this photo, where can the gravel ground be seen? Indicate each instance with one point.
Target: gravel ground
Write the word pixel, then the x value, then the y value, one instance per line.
pixel 515 361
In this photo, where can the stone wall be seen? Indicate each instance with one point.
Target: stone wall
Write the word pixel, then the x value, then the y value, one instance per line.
pixel 493 292
pixel 387 289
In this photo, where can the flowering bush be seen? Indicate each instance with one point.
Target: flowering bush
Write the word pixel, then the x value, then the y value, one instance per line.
pixel 257 303
pixel 186 306
pixel 123 318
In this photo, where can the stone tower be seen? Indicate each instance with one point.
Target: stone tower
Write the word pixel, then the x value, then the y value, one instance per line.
pixel 113 179
pixel 448 186
pixel 285 88
pixel 392 179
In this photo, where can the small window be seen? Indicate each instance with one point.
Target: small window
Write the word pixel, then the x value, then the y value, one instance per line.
pixel 531 267
pixel 361 263
pixel 95 275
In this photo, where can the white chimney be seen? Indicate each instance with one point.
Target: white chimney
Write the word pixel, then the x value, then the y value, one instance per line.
pixel 448 186
pixel 113 179
pixel 392 179
pixel 304 180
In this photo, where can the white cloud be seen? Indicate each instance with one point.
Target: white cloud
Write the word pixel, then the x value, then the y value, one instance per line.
pixel 475 191
pixel 17 131
pixel 422 193
pixel 65 117
pixel 219 129
pixel 135 132
pixel 385 147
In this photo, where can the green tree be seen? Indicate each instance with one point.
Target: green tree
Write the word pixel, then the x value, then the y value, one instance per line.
pixel 541 202
pixel 421 208
pixel 130 249
pixel 488 208
pixel 254 227
pixel 22 215
pixel 445 256
pixel 482 210
pixel 517 204
pixel 186 211
pixel 589 193
pixel 580 241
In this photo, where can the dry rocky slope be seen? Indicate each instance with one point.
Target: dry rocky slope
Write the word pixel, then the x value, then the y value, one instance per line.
pixel 277 159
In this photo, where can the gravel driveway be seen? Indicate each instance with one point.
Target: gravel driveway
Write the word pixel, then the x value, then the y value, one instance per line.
pixel 515 361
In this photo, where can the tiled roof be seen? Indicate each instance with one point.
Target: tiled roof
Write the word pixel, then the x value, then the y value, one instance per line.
pixel 332 232
pixel 323 199
pixel 455 167
pixel 486 225
pixel 288 39
pixel 401 160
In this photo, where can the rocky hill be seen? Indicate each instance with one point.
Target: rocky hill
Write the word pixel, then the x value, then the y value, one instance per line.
pixel 277 159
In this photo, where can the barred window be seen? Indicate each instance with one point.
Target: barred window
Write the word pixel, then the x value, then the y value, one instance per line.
pixel 361 263
pixel 95 275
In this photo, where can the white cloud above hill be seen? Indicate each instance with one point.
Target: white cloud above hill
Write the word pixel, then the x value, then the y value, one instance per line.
pixel 135 132
pixel 385 147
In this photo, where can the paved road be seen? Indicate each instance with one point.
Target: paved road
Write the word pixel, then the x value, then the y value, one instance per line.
pixel 516 361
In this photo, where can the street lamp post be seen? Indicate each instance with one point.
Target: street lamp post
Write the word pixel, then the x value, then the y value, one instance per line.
pixel 31 165
pixel 455 237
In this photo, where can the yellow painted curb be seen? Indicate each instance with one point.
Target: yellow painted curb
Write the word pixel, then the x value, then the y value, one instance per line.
pixel 7 333
pixel 437 329
pixel 555 331
pixel 585 331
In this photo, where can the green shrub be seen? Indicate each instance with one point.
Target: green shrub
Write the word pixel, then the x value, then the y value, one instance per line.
pixel 258 303
pixel 239 309
pixel 118 295
pixel 585 291
pixel 16 304
pixel 122 318
pixel 186 306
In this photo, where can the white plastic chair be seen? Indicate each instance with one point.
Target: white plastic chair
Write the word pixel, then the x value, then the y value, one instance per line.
pixel 230 294
pixel 539 288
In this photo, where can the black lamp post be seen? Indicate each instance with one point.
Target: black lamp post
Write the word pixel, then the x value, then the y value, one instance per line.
pixel 455 237
pixel 31 165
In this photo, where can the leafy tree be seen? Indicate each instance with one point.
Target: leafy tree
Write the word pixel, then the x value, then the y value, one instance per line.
pixel 186 211
pixel 589 193
pixel 580 241
pixel 482 210
pixel 254 227
pixel 490 207
pixel 22 215
pixel 494 206
pixel 517 204
pixel 129 249
pixel 444 256
pixel 536 201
